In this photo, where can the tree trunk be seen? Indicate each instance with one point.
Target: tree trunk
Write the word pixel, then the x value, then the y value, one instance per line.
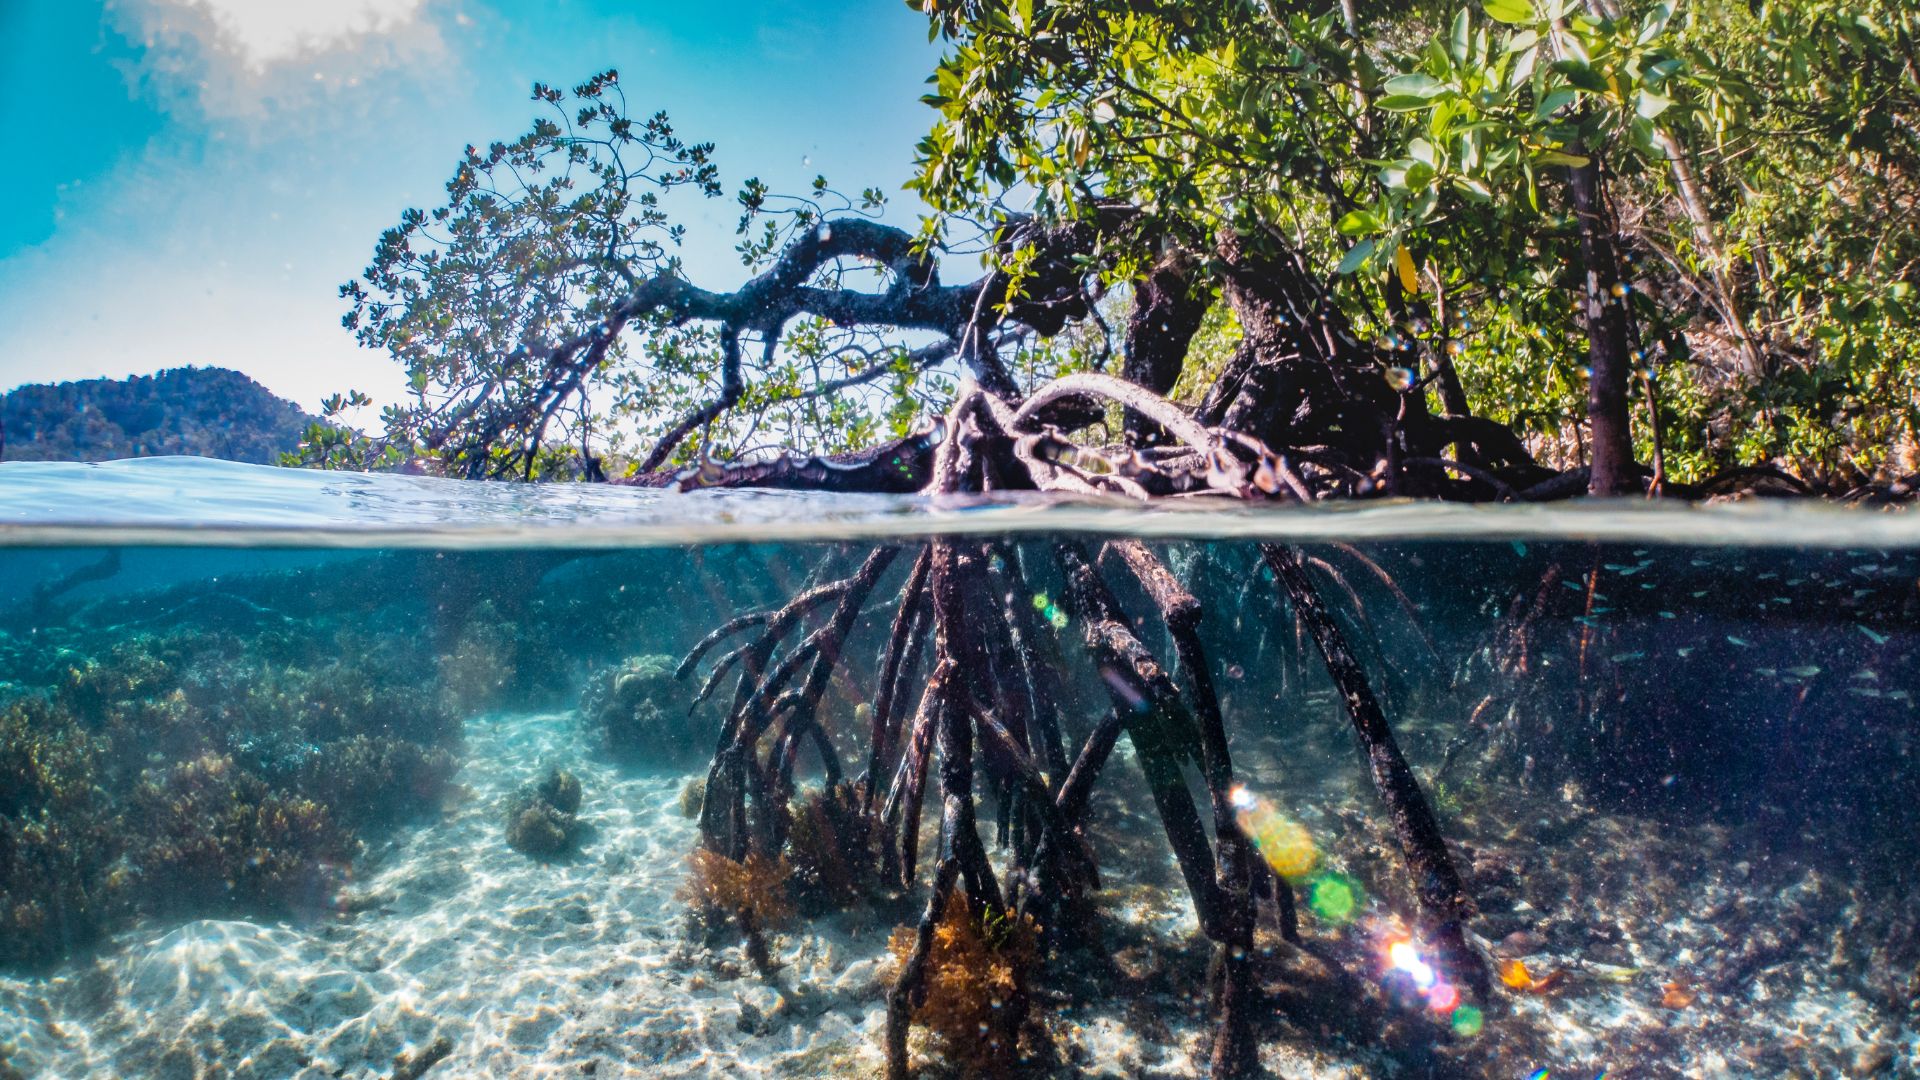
pixel 1167 309
pixel 1610 354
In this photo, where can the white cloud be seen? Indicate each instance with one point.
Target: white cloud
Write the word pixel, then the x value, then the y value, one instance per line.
pixel 271 31
pixel 250 60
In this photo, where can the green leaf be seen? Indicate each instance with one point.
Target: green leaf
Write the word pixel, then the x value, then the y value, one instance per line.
pixel 1404 103
pixel 1460 46
pixel 1558 157
pixel 1581 74
pixel 1473 189
pixel 1651 104
pixel 1357 257
pixel 1556 101
pixel 1511 12
pixel 1420 86
pixel 1359 223
pixel 1655 23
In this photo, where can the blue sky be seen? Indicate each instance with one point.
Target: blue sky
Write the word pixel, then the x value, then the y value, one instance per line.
pixel 190 180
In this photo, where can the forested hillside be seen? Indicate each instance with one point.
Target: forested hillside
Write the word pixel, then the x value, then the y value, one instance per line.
pixel 210 412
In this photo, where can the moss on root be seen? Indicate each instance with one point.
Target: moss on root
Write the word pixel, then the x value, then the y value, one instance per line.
pixel 830 845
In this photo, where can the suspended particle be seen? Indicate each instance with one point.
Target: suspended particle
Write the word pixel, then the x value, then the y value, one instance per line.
pixel 1455 348
pixel 1058 618
pixel 1040 602
pixel 1399 378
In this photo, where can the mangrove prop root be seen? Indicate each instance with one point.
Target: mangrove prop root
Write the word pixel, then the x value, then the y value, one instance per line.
pixel 733 766
pixel 830 641
pixel 905 624
pixel 910 983
pixel 1234 1051
pixel 954 637
pixel 1156 722
pixel 913 767
pixel 1442 895
pixel 1042 677
pixel 1086 768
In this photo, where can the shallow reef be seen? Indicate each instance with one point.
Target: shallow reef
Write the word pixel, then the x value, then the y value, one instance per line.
pixel 230 769
pixel 639 712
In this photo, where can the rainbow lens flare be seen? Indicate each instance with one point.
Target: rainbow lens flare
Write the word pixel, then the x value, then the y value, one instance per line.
pixel 1403 958
pixel 1285 843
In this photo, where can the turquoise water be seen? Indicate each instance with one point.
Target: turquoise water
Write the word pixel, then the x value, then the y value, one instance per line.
pixel 317 775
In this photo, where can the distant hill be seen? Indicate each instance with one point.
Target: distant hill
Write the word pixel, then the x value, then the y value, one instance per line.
pixel 205 411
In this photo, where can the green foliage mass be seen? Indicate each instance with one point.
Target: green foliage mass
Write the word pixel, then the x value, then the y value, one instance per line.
pixel 1761 162
pixel 207 412
pixel 1757 167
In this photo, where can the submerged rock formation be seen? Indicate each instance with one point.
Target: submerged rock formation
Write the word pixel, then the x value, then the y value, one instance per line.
pixel 543 818
pixel 639 712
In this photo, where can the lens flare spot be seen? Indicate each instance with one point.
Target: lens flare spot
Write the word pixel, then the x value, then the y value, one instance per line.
pixel 1402 955
pixel 1334 898
pixel 1444 999
pixel 1467 1021
pixel 1285 843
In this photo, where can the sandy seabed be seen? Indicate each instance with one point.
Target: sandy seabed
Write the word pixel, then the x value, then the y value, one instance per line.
pixel 586 968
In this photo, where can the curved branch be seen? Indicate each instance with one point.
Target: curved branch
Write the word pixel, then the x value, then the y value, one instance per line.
pixel 1146 403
